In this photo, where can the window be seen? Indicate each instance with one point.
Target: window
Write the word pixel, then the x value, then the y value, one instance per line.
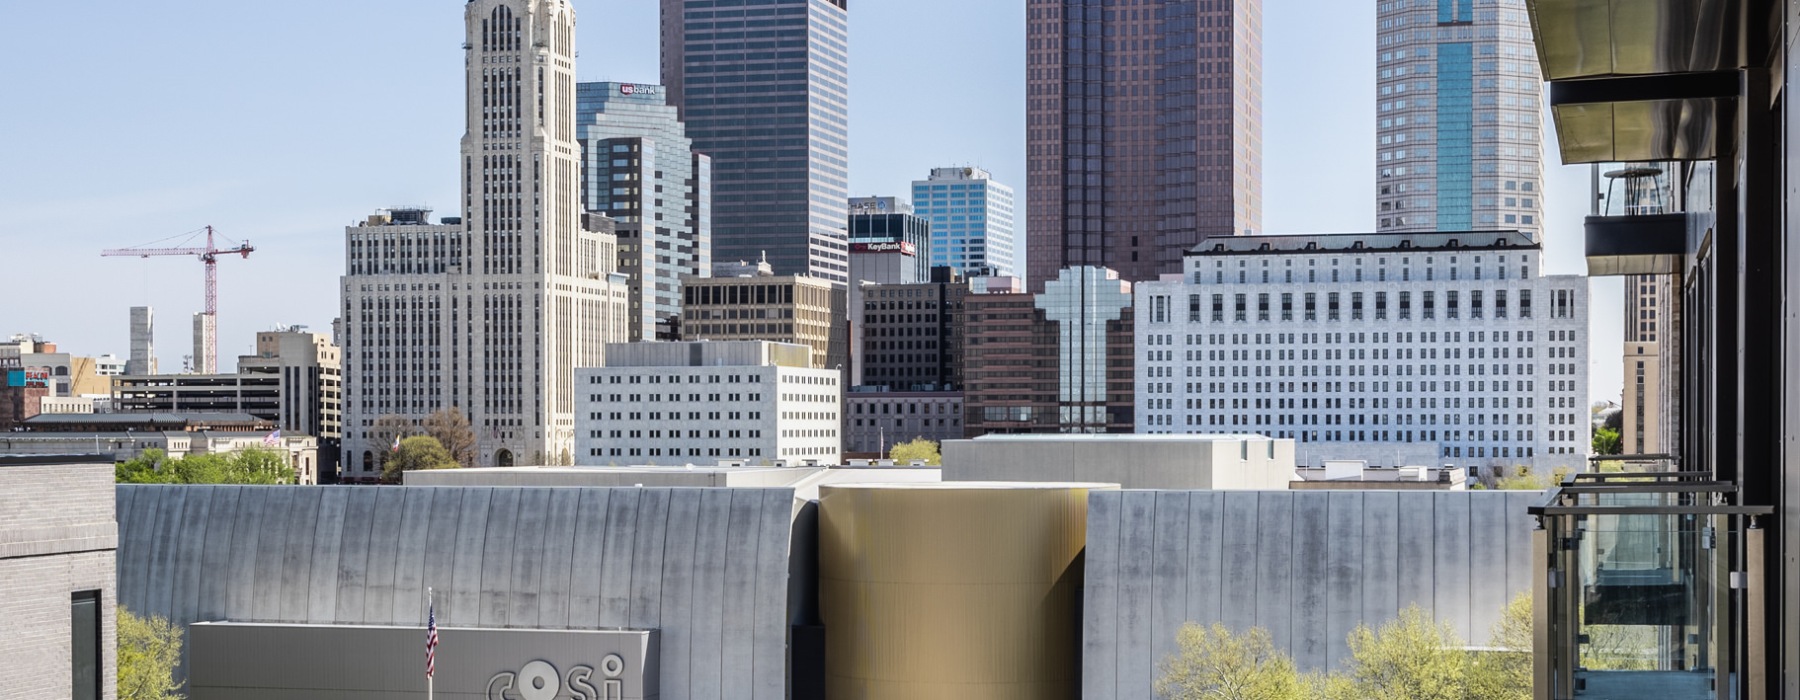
pixel 1312 306
pixel 1218 308
pixel 84 645
pixel 1262 307
pixel 1450 304
pixel 1241 312
pixel 1287 306
pixel 1356 305
pixel 1331 306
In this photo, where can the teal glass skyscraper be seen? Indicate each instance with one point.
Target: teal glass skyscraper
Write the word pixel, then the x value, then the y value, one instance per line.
pixel 639 168
pixel 763 87
pixel 1459 129
pixel 971 219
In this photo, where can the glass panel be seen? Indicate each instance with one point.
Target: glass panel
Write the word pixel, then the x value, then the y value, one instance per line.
pixel 84 645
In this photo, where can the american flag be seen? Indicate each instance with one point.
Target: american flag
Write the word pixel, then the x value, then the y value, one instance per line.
pixel 272 439
pixel 430 640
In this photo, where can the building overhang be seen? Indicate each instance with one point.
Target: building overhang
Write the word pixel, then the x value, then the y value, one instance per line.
pixel 1640 80
pixel 1636 245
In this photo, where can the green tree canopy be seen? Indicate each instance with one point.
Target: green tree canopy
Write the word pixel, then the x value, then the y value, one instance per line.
pixel 149 649
pixel 415 453
pixel 1211 663
pixel 452 431
pixel 247 466
pixel 1410 657
pixel 917 448
pixel 1607 442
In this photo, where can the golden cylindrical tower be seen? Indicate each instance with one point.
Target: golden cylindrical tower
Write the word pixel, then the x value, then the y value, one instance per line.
pixel 966 590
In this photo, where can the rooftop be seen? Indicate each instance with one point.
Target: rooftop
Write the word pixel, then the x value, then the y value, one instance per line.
pixel 53 419
pixel 1365 242
pixel 1115 437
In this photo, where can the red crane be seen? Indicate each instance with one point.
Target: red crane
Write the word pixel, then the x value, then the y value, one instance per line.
pixel 210 257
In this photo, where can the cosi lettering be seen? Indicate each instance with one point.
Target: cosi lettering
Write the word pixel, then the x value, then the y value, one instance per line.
pixel 539 680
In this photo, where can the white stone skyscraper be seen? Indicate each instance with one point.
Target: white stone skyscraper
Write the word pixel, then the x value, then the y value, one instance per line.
pixel 1460 132
pixel 490 313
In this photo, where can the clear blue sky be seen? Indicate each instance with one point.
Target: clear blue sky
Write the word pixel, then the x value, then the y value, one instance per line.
pixel 280 123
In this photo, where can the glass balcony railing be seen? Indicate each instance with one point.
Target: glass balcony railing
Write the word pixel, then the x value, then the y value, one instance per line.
pixel 1635 594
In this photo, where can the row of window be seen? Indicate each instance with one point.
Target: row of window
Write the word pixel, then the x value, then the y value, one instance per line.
pixel 1266 304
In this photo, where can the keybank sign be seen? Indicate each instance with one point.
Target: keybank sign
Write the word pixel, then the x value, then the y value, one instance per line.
pixel 540 680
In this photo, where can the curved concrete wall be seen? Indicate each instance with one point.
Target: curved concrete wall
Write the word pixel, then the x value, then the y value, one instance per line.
pixel 954 590
pixel 1306 566
pixel 708 568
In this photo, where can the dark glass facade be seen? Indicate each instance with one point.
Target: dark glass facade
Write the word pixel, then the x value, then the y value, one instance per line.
pixel 1144 131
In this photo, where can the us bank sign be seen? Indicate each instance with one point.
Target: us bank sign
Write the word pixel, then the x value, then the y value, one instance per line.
pixel 540 680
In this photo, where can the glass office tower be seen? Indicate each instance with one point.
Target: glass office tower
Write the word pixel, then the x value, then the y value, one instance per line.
pixel 763 86
pixel 1460 132
pixel 638 167
pixel 1144 131
pixel 971 219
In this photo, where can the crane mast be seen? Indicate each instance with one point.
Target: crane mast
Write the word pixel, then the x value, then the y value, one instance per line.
pixel 209 256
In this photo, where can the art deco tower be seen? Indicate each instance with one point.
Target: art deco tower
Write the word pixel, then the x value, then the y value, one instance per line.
pixel 492 313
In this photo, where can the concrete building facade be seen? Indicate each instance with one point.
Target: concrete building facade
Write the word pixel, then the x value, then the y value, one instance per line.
pixel 493 313
pixel 740 304
pixel 639 168
pixel 58 542
pixel 874 421
pixel 776 122
pixel 1054 362
pixel 143 341
pixel 912 334
pixel 1458 118
pixel 1216 462
pixel 1143 132
pixel 698 402
pixel 1451 338
pixel 972 222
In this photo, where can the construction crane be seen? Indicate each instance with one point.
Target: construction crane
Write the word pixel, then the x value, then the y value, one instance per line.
pixel 210 257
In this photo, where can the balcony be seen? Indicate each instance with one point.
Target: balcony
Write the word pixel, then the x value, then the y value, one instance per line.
pixel 1636 226
pixel 1636 587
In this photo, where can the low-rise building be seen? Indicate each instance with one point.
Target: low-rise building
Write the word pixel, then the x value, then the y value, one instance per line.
pixel 874 420
pixel 743 301
pixel 58 557
pixel 696 402
pixel 125 436
pixel 1134 461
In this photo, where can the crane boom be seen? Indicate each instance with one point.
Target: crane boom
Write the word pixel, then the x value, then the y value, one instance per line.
pixel 210 257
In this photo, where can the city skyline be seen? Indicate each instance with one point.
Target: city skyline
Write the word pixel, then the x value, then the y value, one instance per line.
pixel 191 156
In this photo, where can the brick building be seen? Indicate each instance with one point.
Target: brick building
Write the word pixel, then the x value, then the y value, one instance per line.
pixel 1059 361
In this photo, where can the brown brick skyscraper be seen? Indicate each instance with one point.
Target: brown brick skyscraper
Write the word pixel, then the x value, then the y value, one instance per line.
pixel 1144 131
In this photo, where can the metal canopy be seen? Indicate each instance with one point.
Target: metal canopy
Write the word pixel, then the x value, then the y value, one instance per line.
pixel 1638 80
pixel 1636 245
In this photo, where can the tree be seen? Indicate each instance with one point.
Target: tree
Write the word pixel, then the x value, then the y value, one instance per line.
pixel 1212 663
pixel 258 466
pixel 1503 672
pixel 386 433
pixel 149 649
pixel 916 448
pixel 452 431
pixel 1408 658
pixel 1607 441
pixel 415 453
pixel 249 466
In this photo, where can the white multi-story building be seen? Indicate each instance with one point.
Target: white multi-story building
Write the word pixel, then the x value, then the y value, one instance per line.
pixel 1459 126
pixel 1453 339
pixel 492 312
pixel 700 402
pixel 971 217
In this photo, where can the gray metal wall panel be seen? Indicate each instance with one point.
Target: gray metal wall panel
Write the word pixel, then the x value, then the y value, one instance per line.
pixel 1381 555
pixel 409 557
pixel 1487 594
pixel 1100 597
pixel 1451 589
pixel 773 536
pixel 440 549
pixel 1206 525
pixel 528 557
pixel 1518 551
pixel 297 559
pixel 191 547
pixel 246 535
pixel 133 542
pixel 678 591
pixel 1168 581
pixel 646 562
pixel 559 558
pixel 378 566
pixel 615 569
pixel 590 550
pixel 464 601
pixel 328 539
pixel 736 672
pixel 1414 571
pixel 1137 537
pixel 216 561
pixel 1345 573
pixel 1275 566
pixel 166 543
pixel 1238 609
pixel 496 557
pixel 709 596
pixel 1311 580
pixel 271 554
pixel 353 555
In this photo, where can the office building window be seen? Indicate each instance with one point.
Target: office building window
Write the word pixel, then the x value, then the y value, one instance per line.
pixel 84 645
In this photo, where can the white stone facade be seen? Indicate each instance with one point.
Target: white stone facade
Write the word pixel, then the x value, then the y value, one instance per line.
pixel 493 313
pixel 1451 339
pixel 701 402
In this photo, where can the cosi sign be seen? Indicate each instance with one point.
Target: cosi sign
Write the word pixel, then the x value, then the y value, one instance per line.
pixel 539 680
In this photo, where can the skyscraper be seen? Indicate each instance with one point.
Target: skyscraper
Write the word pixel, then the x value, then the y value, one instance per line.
pixel 1144 131
pixel 763 86
pixel 1460 132
pixel 491 312
pixel 971 219
pixel 143 341
pixel 639 168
